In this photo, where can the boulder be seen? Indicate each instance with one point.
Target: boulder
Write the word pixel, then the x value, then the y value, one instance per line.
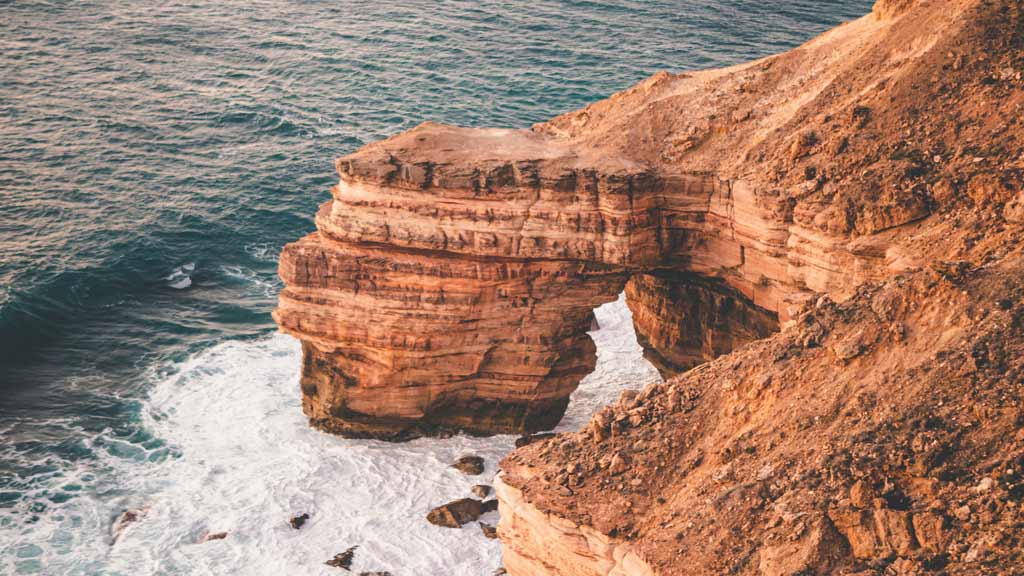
pixel 455 514
pixel 470 465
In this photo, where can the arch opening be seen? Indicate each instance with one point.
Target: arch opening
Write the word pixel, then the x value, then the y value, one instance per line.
pixel 683 320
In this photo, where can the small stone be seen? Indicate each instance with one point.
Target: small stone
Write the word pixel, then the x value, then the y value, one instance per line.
pixel 847 350
pixel 343 560
pixel 618 464
pixel 723 474
pixel 985 485
pixel 481 491
pixel 862 494
pixel 963 512
pixel 298 521
pixel 803 144
pixel 974 552
pixel 489 531
pixel 527 439
pixel 861 115
pixel 489 506
pixel 207 537
pixel 628 399
pixel 470 465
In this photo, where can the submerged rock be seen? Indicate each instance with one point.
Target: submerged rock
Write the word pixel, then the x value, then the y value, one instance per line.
pixel 489 531
pixel 124 521
pixel 210 536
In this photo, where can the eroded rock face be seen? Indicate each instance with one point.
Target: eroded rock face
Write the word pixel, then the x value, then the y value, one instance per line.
pixel 451 279
pixel 682 320
pixel 399 343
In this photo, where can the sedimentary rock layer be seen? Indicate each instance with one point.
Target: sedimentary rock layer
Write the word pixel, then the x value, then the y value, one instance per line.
pixel 452 272
pixel 682 320
pixel 450 282
pixel 399 343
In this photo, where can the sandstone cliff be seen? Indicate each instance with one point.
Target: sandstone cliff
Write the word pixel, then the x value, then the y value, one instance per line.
pixel 882 431
pixel 862 193
pixel 451 279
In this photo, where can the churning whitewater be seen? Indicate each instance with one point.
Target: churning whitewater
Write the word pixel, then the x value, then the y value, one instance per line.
pixel 232 452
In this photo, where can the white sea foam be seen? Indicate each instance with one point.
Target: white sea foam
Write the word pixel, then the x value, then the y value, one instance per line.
pixel 260 285
pixel 248 462
pixel 181 277
pixel 262 251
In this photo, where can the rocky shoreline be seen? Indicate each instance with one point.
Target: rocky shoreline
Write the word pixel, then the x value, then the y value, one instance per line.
pixel 821 249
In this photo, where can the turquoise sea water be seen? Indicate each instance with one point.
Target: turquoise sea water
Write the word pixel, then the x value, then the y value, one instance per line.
pixel 154 158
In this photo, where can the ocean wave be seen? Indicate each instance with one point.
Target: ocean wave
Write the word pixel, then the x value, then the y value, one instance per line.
pixel 222 445
pixel 181 277
pixel 266 286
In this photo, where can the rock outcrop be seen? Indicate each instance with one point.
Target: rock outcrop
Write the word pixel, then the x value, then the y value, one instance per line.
pixel 880 431
pixel 452 276
pixel 880 435
pixel 861 194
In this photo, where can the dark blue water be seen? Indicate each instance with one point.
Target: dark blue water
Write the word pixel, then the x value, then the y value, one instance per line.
pixel 155 156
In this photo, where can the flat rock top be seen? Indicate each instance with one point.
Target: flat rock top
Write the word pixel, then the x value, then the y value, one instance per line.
pixel 443 145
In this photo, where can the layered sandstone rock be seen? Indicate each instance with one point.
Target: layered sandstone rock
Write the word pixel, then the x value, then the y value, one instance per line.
pixel 862 191
pixel 399 343
pixel 880 431
pixel 451 278
pixel 682 320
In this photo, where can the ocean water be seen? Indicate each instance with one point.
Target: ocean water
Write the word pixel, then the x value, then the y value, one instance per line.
pixel 154 158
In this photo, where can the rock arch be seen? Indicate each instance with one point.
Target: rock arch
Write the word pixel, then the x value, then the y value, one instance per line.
pixel 451 281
